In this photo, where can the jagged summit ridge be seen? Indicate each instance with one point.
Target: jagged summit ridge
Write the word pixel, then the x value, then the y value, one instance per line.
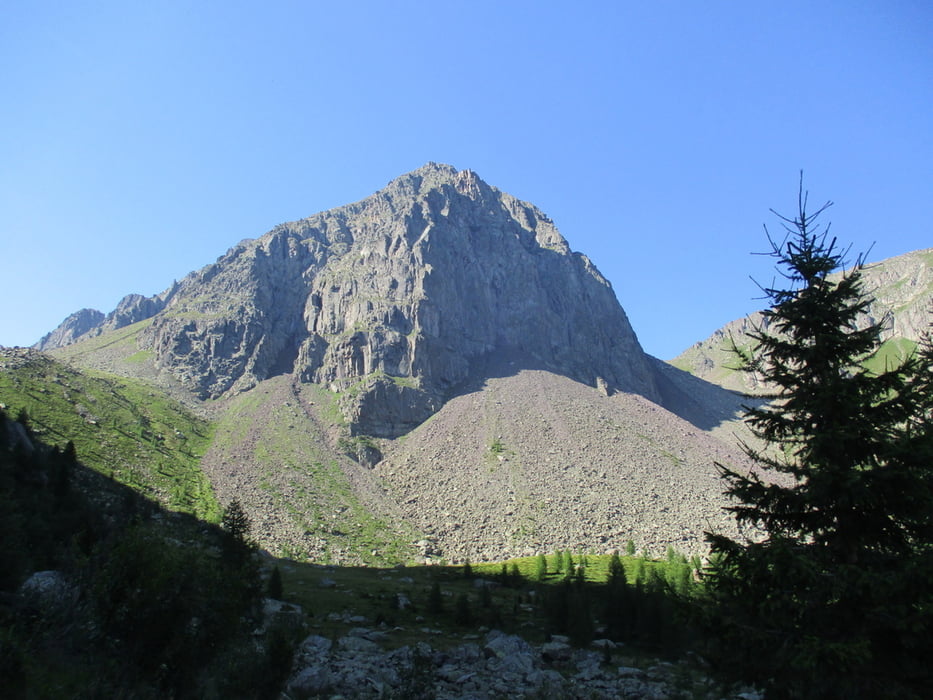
pixel 397 301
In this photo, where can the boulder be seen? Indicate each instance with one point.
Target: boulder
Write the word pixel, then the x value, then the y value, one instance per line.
pixel 49 590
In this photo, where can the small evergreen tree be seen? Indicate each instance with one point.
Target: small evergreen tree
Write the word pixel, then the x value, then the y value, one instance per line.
pixel 62 465
pixel 515 576
pixel 238 546
pixel 580 627
pixel 617 610
pixel 640 573
pixel 485 596
pixel 70 453
pixel 435 600
pixel 568 564
pixel 616 569
pixel 682 579
pixel 23 419
pixel 541 567
pixel 833 599
pixel 463 615
pixel 236 523
pixel 557 606
pixel 274 587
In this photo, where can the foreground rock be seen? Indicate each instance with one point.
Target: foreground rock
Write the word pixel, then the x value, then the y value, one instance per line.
pixel 499 665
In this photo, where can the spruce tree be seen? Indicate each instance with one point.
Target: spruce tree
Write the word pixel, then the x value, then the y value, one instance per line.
pixel 274 586
pixel 515 576
pixel 23 419
pixel 580 627
pixel 435 601
pixel 617 610
pixel 569 566
pixel 463 615
pixel 616 569
pixel 238 546
pixel 828 595
pixel 540 567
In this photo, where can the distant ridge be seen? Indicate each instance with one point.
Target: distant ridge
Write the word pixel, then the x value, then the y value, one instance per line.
pixel 902 287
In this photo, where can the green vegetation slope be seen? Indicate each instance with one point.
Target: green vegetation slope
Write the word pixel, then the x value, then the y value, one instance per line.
pixel 121 427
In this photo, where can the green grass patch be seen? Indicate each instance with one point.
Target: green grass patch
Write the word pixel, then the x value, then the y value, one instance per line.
pixel 141 356
pixel 122 428
pixel 891 354
pixel 505 595
pixel 121 340
pixel 304 479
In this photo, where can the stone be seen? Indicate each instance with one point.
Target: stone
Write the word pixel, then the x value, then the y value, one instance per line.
pixel 358 644
pixel 556 652
pixel 282 614
pixel 315 645
pixel 630 672
pixel 505 667
pixel 49 589
pixel 310 681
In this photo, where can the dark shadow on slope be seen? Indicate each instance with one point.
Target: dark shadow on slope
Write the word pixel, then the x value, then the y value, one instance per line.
pixel 697 401
pixel 287 357
pixel 701 403
pixel 704 404
pixel 500 364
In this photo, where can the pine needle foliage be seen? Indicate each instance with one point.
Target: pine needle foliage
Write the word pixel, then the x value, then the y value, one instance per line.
pixel 829 594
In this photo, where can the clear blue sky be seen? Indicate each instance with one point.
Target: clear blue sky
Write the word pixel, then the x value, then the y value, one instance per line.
pixel 139 141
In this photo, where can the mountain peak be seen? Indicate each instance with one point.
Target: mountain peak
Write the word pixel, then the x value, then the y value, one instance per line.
pixel 437 177
pixel 398 302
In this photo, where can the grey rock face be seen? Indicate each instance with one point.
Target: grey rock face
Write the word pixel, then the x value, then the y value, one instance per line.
pixel 133 308
pixel 396 302
pixel 902 288
pixel 90 322
pixel 72 328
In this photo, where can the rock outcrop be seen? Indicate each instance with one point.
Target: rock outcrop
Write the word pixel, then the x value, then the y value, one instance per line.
pixel 76 325
pixel 396 302
pixel 134 308
pixel 497 665
pixel 91 322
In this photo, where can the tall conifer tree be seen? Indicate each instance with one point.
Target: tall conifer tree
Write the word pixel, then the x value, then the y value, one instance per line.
pixel 830 594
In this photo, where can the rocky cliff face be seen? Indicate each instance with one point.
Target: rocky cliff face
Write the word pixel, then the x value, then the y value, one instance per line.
pixel 91 322
pixel 76 325
pixel 397 302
